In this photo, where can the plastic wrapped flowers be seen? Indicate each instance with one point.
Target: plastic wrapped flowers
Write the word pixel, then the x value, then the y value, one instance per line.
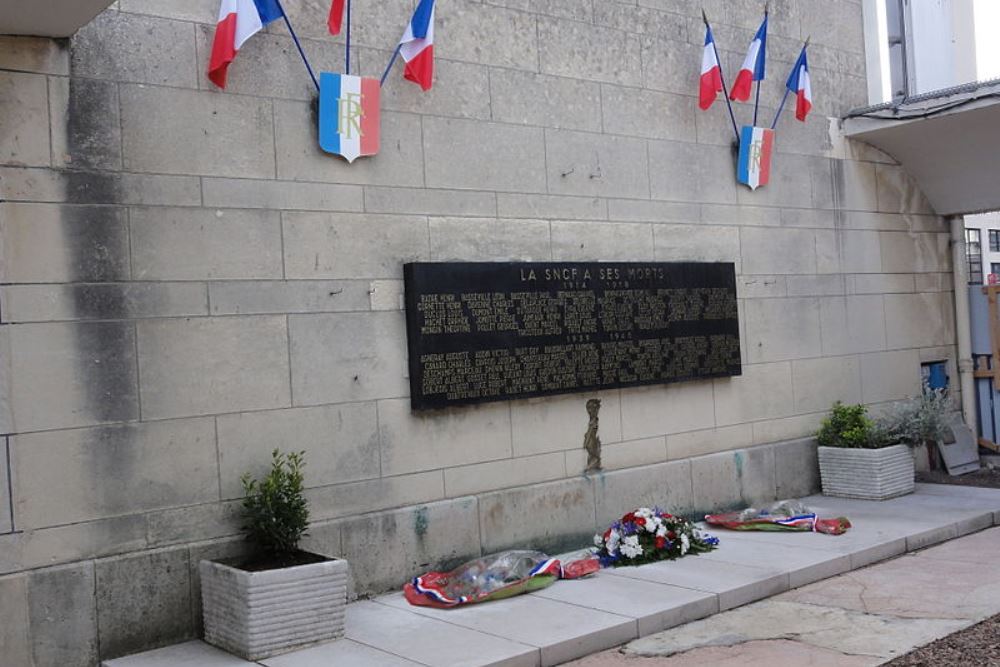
pixel 646 535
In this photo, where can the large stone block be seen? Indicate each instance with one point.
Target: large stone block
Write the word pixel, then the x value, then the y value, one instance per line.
pixel 919 320
pixel 481 33
pixel 855 185
pixel 890 376
pixel 24 114
pixel 373 24
pixel 779 329
pixel 493 475
pixel 776 250
pixel 22 184
pixel 581 163
pixel 352 246
pixel 494 156
pixel 340 443
pixel 288 296
pixel 109 301
pixel 87 370
pixel 681 171
pixel 890 283
pixel 82 137
pixel 794 181
pixel 708 441
pixel 620 455
pixel 552 517
pixel 417 201
pixel 113 470
pixel 400 160
pixel 584 51
pixel 139 49
pixel 848 325
pixel 697 243
pixel 6 408
pixel 199 366
pixel 245 193
pixel 787 428
pixel 548 101
pixel 196 11
pixel 637 210
pixel 6 497
pixel 388 548
pixel 663 409
pixel 820 382
pixel 482 240
pixel 796 468
pixel 144 601
pixel 602 241
pixel 33 54
pixel 174 131
pixel 551 206
pixel 663 485
pixel 556 423
pixel 415 441
pixel 858 251
pixel 763 391
pixel 202 244
pixel 347 357
pixel 63 616
pixel 906 252
pixel 666 64
pixel 648 113
pixel 15 633
pixel 716 483
pixel 75 542
pixel 898 193
pixel 194 523
pixel 43 243
pixel 352 498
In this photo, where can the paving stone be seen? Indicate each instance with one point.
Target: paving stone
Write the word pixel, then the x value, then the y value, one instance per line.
pixel 248 356
pixel 804 565
pixel 352 246
pixel 143 601
pixel 44 303
pixel 46 243
pixel 762 653
pixel 655 607
pixel 82 139
pixel 415 441
pixel 430 641
pixel 481 240
pixel 365 364
pixel 202 244
pixel 259 297
pixel 174 131
pixel 89 369
pixel 342 652
pixel 114 470
pixel 62 616
pixel 437 536
pixel 579 163
pixel 192 653
pixel 663 485
pixel 561 631
pixel 499 157
pixel 568 504
pixel 340 443
pixel 548 101
pixel 24 137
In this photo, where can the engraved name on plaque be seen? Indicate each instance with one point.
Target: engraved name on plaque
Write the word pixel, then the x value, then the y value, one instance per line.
pixel 491 331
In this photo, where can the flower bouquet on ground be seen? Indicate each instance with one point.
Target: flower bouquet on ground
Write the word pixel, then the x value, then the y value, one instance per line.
pixel 648 535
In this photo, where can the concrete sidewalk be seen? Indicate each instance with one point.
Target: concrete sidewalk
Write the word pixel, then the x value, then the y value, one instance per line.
pixel 572 619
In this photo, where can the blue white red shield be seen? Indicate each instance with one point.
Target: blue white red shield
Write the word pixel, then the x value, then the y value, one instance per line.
pixel 756 146
pixel 348 115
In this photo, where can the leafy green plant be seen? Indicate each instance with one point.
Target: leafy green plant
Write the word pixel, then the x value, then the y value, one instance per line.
pixel 919 419
pixel 850 426
pixel 275 509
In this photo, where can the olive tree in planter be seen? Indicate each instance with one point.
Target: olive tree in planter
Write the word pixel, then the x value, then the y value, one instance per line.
pixel 281 598
pixel 858 458
pixel 921 421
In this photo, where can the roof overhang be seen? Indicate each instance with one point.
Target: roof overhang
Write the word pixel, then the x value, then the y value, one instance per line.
pixel 47 18
pixel 948 141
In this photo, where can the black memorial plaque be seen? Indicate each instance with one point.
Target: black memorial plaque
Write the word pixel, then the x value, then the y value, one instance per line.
pixel 492 331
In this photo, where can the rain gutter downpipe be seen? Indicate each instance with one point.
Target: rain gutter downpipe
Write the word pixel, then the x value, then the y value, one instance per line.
pixel 960 269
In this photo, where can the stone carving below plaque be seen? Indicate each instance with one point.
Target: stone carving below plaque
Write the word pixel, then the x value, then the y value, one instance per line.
pixel 490 331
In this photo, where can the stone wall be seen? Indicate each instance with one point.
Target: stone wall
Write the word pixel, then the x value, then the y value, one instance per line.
pixel 187 281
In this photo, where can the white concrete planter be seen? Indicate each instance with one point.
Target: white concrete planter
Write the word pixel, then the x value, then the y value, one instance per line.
pixel 259 614
pixel 868 474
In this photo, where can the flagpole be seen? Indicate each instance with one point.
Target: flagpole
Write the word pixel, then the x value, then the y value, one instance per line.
pixel 722 78
pixel 781 108
pixel 295 39
pixel 756 103
pixel 388 67
pixel 347 48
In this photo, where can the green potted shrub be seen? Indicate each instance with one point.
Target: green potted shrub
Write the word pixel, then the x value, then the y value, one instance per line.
pixel 862 458
pixel 281 598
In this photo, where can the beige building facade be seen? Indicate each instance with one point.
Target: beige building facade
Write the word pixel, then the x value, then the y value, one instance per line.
pixel 187 282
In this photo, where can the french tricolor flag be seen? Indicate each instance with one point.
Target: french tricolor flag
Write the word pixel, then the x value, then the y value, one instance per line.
pixel 239 20
pixel 711 73
pixel 417 46
pixel 753 65
pixel 798 83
